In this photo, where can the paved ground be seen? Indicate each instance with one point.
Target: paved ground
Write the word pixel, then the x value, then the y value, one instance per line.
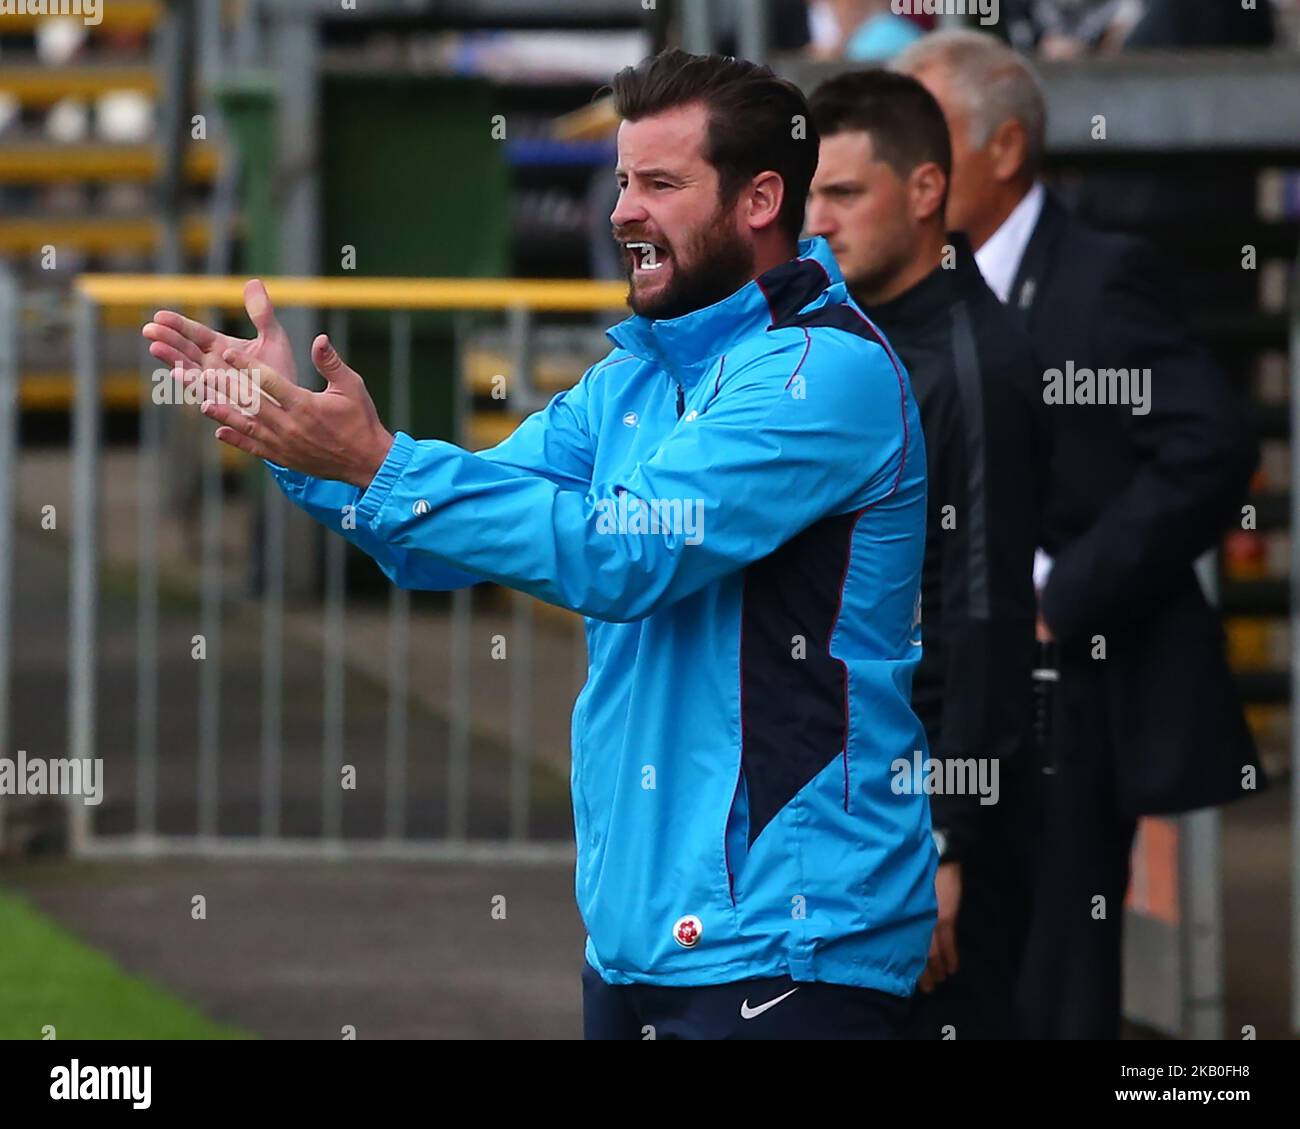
pixel 297 950
pixel 409 950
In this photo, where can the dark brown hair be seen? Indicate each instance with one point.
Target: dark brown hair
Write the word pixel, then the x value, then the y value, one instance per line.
pixel 757 122
pixel 902 118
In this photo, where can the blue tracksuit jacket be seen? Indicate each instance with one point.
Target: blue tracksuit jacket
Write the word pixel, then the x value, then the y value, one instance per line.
pixel 735 501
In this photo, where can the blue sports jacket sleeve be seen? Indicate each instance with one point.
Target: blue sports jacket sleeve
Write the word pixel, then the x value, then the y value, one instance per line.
pixel 763 461
pixel 552 443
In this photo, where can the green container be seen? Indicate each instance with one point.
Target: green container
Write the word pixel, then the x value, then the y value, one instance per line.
pixel 412 180
pixel 248 104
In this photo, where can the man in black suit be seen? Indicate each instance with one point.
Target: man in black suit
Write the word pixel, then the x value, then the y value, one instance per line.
pixel 878 197
pixel 1150 459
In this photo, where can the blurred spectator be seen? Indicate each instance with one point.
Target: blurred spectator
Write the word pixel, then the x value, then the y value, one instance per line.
pixel 1069 29
pixel 1201 23
pixel 824 30
pixel 58 44
pixel 865 30
pixel 788 26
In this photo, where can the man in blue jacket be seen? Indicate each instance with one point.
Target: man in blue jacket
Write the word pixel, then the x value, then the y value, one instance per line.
pixel 734 498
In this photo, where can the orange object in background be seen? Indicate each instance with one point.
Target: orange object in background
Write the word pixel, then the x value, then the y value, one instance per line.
pixel 1153 885
pixel 1245 556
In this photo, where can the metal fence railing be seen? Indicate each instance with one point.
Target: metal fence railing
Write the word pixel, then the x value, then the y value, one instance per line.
pixel 9 381
pixel 216 709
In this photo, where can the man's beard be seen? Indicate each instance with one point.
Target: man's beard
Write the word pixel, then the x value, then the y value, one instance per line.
pixel 722 262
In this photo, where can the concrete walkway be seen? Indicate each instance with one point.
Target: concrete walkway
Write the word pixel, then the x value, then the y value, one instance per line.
pixel 296 951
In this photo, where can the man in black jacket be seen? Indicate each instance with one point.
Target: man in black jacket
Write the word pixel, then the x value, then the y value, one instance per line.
pixel 878 197
pixel 1150 458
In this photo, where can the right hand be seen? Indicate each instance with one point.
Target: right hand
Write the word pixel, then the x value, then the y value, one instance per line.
pixel 1042 631
pixel 175 339
pixel 943 962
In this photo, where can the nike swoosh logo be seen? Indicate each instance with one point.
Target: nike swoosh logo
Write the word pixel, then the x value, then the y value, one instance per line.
pixel 747 1012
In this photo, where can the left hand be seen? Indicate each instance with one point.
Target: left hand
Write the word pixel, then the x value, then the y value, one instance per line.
pixel 335 434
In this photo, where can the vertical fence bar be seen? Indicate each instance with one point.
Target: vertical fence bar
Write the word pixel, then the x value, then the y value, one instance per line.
pixel 697 27
pixel 521 712
pixel 273 518
pixel 9 378
pixel 1295 651
pixel 83 606
pixel 210 601
pixel 334 684
pixel 1200 892
pixel 462 604
pixel 527 399
pixel 523 390
pixel 293 40
pixel 148 523
pixel 399 604
pixel 753 22
pixel 332 712
pixel 1201 924
pixel 173 49
pixel 458 744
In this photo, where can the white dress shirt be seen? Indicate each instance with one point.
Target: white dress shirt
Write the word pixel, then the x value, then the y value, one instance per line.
pixel 999 259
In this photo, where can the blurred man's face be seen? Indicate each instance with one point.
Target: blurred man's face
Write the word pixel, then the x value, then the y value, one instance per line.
pixel 861 206
pixel 972 193
pixel 684 249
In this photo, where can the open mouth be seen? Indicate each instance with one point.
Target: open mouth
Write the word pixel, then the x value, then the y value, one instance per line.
pixel 646 256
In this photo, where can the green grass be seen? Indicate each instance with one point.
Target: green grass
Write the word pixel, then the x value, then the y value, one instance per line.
pixel 47 976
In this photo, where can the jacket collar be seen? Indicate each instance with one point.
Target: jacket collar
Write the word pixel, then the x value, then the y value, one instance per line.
pixel 687 346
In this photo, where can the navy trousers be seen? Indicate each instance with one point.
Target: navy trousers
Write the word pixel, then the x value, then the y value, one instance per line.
pixel 769 1008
